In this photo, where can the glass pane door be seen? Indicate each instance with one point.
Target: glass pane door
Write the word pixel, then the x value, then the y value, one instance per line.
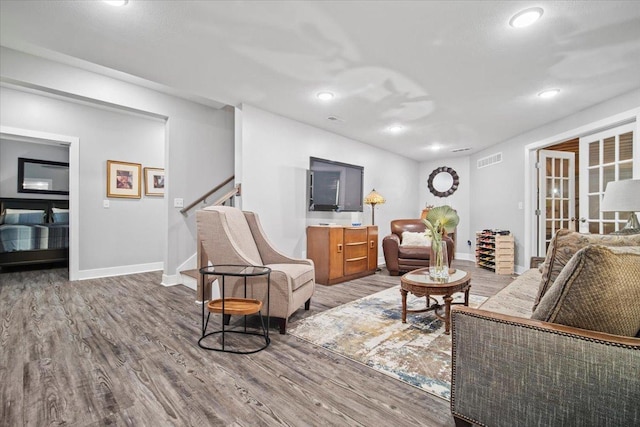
pixel 556 201
pixel 604 157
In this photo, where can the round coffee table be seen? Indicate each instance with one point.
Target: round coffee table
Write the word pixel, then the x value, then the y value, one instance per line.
pixel 420 284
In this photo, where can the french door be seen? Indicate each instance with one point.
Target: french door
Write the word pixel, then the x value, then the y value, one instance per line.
pixel 604 157
pixel 556 197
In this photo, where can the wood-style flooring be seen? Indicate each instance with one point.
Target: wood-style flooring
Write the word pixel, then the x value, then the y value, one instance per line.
pixel 123 351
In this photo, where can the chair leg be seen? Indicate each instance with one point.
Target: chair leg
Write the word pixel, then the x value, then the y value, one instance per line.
pixel 282 323
pixel 307 304
pixel 461 423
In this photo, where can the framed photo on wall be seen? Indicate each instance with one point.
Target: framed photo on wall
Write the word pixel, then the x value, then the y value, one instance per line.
pixel 153 182
pixel 124 179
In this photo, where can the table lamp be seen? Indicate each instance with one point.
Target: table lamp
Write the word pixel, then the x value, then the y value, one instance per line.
pixel 373 199
pixel 623 196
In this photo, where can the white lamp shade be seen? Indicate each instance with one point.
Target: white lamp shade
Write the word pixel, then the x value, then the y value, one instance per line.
pixel 622 196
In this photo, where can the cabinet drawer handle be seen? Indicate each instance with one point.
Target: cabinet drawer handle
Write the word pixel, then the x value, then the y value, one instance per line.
pixel 372 244
pixel 339 248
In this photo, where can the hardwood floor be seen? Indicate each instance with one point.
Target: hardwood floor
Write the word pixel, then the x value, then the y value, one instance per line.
pixel 123 351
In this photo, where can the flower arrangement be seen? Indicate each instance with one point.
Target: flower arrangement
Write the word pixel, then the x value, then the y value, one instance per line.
pixel 440 220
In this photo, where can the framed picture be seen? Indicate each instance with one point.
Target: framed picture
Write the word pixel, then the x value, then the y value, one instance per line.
pixel 123 179
pixel 153 182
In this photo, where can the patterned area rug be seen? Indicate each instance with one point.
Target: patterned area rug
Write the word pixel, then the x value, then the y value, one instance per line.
pixel 370 331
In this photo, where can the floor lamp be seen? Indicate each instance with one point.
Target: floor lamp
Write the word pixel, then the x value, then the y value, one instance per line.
pixel 623 196
pixel 373 199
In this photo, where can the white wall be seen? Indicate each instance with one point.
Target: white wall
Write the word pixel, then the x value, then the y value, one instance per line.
pixel 497 190
pixel 458 200
pixel 198 138
pixel 9 153
pixel 274 161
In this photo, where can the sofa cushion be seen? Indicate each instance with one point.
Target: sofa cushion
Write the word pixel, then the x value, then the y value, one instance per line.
pixel 598 289
pixel 410 238
pixel 516 298
pixel 565 243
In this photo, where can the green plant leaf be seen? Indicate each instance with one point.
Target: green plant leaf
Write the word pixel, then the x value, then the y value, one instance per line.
pixel 444 218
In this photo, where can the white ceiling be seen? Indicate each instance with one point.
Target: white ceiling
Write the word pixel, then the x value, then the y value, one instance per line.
pixel 453 73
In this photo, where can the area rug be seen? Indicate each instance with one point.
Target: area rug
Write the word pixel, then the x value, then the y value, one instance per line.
pixel 370 331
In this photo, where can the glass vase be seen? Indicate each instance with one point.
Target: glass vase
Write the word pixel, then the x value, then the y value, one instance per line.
pixel 439 262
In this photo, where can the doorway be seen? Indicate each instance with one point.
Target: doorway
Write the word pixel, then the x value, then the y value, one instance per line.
pixel 33 136
pixel 615 155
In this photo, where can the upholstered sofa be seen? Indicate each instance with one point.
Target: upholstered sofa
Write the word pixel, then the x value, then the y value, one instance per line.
pixel 400 255
pixel 572 360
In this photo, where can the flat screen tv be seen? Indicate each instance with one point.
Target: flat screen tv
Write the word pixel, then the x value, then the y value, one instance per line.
pixel 335 186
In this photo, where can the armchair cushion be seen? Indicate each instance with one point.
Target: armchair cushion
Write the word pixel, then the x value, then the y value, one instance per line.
pixel 299 273
pixel 565 243
pixel 597 290
pixel 411 238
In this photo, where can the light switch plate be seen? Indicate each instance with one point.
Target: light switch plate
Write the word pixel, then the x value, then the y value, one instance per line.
pixel 105 204
pixel 178 203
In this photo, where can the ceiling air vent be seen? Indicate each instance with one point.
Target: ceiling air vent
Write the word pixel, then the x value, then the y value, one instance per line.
pixel 489 160
pixel 458 150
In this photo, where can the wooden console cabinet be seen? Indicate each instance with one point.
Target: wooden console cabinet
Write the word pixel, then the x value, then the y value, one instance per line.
pixel 342 253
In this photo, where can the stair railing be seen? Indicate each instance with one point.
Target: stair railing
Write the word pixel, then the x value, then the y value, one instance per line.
pixel 221 201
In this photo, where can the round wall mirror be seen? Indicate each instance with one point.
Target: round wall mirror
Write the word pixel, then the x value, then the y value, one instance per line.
pixel 443 181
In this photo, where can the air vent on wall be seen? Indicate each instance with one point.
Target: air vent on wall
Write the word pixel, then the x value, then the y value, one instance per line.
pixel 489 160
pixel 457 150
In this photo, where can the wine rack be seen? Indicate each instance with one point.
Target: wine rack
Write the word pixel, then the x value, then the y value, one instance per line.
pixel 495 251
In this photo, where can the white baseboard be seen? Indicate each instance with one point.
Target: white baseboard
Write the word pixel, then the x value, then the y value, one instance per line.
pixel 170 279
pixel 119 271
pixel 464 256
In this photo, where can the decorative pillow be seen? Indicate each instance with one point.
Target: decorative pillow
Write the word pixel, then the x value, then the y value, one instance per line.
pixel 565 244
pixel 60 215
pixel 412 238
pixel 23 216
pixel 598 290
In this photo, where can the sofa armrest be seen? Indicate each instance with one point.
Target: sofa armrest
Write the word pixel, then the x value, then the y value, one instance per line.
pixel 535 261
pixel 510 371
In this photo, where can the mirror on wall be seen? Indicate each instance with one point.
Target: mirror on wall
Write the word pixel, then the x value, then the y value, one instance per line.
pixel 443 181
pixel 42 176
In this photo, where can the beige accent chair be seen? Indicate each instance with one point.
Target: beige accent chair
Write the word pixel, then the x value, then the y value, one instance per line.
pixel 227 235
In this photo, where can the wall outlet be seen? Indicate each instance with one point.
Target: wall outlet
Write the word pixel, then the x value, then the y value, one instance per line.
pixel 520 205
pixel 178 203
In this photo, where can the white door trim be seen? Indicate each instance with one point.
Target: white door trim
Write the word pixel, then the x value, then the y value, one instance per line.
pixel 530 183
pixel 74 184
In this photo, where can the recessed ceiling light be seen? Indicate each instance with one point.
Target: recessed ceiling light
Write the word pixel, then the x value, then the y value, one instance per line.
pixel 116 2
pixel 395 128
pixel 325 96
pixel 549 93
pixel 436 147
pixel 526 17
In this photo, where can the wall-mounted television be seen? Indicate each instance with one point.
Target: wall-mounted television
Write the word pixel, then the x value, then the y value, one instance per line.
pixel 335 186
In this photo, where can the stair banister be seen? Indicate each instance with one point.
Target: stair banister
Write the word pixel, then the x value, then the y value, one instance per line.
pixel 235 191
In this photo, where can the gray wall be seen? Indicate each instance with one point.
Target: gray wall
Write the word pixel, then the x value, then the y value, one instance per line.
pixel 198 140
pixel 9 153
pixel 458 200
pixel 130 231
pixel 273 168
pixel 497 190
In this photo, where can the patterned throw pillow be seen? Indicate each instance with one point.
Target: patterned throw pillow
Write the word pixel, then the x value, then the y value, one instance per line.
pixel 565 244
pixel 597 290
pixel 23 216
pixel 410 238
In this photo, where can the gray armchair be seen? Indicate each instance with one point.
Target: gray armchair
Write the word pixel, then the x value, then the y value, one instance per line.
pixel 227 235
